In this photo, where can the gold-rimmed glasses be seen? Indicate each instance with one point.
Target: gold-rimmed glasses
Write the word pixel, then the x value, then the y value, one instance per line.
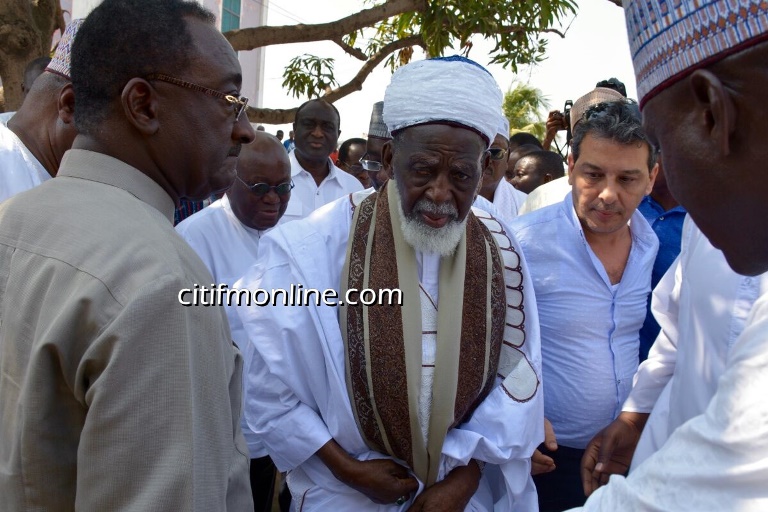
pixel 238 103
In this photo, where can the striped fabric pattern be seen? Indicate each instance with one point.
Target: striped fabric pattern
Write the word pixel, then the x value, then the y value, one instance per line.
pixel 671 39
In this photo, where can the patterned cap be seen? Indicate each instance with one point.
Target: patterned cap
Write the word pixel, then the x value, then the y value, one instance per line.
pixel 671 39
pixel 377 128
pixel 446 89
pixel 60 62
pixel 598 95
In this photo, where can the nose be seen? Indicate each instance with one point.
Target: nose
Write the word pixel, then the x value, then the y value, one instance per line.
pixel 242 131
pixel 317 131
pixel 439 190
pixel 271 197
pixel 609 193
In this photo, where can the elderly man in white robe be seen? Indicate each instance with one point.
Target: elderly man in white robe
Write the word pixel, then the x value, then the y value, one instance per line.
pixel 434 404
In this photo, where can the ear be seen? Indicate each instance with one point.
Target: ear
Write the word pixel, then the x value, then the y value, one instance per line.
pixel 570 168
pixel 387 153
pixel 66 104
pixel 140 105
pixel 547 178
pixel 338 164
pixel 717 112
pixel 486 162
pixel 654 173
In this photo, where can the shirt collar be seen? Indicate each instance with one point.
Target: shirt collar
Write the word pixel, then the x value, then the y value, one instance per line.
pixel 296 167
pixel 101 168
pixel 639 228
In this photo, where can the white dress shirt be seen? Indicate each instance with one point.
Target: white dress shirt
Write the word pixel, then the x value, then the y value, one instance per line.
pixel 589 327
pixel 19 169
pixel 228 248
pixel 307 196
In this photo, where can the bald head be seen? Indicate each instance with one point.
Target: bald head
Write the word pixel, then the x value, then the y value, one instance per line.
pixel 45 121
pixel 262 161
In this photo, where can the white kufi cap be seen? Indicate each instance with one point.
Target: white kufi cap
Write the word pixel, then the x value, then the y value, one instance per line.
pixel 447 89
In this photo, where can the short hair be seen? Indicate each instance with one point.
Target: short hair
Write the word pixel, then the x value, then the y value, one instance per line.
pixel 301 107
pixel 522 138
pixel 618 121
pixel 344 148
pixel 547 162
pixel 125 39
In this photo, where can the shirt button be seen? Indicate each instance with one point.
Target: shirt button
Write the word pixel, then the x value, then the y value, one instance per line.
pixel 661 218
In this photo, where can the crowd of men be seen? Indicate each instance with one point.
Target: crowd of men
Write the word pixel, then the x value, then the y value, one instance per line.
pixel 585 332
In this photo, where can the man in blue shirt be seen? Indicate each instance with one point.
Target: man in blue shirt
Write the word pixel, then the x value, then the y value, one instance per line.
pixel 665 216
pixel 590 257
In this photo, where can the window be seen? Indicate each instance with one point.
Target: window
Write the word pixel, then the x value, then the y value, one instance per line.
pixel 230 15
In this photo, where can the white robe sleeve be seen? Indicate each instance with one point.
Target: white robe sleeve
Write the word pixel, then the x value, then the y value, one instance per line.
pixel 290 426
pixel 654 373
pixel 717 460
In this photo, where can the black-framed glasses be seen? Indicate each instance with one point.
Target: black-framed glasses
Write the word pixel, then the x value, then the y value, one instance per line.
pixel 497 153
pixel 262 189
pixel 371 165
pixel 238 103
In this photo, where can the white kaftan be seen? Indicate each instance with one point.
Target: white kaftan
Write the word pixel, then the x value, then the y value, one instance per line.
pixel 297 397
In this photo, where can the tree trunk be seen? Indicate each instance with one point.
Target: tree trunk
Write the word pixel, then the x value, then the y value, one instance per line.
pixel 20 42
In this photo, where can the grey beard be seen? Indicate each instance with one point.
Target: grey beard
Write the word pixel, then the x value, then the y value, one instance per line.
pixel 442 241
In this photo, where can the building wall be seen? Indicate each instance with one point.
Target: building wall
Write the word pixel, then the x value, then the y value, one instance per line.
pixel 253 13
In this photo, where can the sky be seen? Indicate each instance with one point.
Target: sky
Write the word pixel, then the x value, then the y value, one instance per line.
pixel 595 48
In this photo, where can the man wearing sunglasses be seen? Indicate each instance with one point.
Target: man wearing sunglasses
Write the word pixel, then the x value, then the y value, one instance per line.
pixel 115 396
pixel 226 237
pixel 506 199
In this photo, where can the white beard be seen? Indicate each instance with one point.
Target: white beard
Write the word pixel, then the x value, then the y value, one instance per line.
pixel 424 238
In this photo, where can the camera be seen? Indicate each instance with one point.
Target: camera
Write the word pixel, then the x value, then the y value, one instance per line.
pixel 567 118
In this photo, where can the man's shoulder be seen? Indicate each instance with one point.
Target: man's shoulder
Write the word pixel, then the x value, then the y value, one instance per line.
pixel 547 215
pixel 115 238
pixel 204 220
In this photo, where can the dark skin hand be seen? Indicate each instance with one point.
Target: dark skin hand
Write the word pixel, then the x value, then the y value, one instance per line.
pixel 383 481
pixel 541 463
pixel 610 451
pixel 450 494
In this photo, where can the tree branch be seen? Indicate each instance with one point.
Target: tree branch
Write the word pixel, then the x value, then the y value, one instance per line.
pixel 356 84
pixel 519 28
pixel 355 52
pixel 256 37
pixel 281 116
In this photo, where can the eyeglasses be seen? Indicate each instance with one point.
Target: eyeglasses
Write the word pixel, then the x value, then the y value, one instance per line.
pixel 371 165
pixel 497 153
pixel 262 189
pixel 238 104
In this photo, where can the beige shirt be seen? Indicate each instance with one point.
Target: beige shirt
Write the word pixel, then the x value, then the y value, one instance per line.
pixel 113 396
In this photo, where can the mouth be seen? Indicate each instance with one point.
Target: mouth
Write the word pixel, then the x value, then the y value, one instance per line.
pixel 435 220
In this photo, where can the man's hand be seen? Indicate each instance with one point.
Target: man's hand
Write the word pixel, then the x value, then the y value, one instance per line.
pixel 383 481
pixel 610 451
pixel 450 494
pixel 555 123
pixel 541 463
